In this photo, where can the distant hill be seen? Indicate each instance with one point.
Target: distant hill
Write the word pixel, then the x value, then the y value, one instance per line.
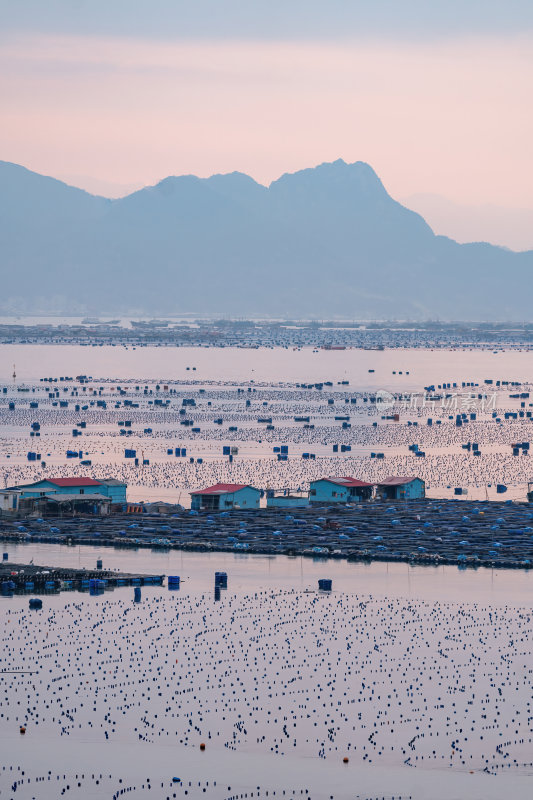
pixel 322 242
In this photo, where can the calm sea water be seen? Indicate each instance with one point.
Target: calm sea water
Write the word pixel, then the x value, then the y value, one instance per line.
pixel 118 694
pixel 249 572
pixel 267 365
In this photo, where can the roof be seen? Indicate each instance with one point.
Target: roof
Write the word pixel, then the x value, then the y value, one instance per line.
pixel 75 498
pixel 58 482
pixel 392 481
pixel 224 488
pixel 346 481
pixel 73 481
pixel 111 482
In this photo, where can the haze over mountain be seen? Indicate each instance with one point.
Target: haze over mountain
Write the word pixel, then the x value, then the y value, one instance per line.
pixel 507 227
pixel 322 242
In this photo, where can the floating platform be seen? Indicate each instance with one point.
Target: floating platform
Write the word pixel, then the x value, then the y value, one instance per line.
pixel 34 579
pixel 461 532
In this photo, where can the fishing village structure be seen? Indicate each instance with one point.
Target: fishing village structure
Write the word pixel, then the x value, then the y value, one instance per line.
pixel 110 488
pixel 339 490
pixel 353 490
pixel 57 495
pixel 286 499
pixel 9 501
pixel 224 496
pixel 397 488
pixel 102 496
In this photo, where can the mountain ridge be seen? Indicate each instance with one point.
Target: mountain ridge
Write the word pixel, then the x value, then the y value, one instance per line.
pixel 327 240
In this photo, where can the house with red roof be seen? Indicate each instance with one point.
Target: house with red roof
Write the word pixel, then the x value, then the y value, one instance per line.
pixel 107 487
pixel 224 496
pixel 339 490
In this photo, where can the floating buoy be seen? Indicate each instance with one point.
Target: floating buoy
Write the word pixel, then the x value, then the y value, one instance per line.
pixel 345 760
pixel 202 746
pixel 23 729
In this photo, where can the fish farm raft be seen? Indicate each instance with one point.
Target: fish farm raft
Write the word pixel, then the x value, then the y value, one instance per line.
pixel 25 578
pixel 464 533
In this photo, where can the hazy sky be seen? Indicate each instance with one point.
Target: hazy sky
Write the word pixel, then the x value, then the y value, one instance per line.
pixel 436 96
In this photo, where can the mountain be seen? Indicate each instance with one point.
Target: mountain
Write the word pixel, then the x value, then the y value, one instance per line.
pixel 322 242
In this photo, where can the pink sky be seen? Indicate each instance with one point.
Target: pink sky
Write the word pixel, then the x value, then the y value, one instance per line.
pixel 452 118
